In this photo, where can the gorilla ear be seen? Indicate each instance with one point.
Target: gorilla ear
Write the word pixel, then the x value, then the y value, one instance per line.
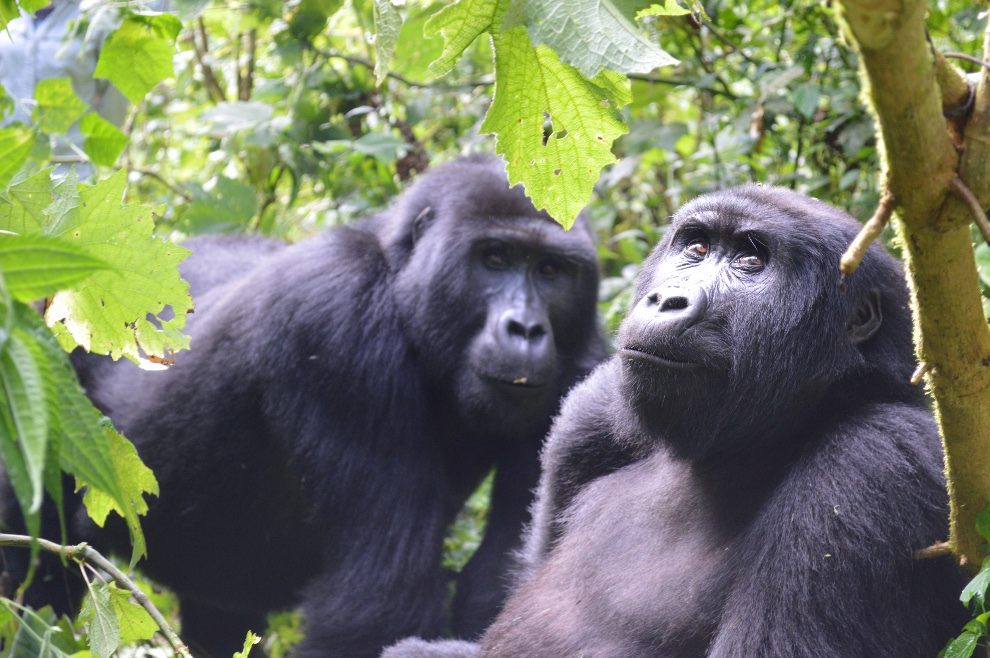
pixel 866 319
pixel 421 223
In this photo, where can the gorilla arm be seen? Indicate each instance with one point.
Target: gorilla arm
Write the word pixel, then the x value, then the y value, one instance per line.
pixel 826 569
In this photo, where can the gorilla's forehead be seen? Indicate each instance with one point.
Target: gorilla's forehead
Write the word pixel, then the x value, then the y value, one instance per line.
pixel 538 231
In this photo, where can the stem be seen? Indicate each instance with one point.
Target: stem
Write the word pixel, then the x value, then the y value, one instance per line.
pixel 82 552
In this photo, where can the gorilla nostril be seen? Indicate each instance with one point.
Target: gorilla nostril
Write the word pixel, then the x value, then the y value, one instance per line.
pixel 516 328
pixel 675 303
pixel 537 331
pixel 653 298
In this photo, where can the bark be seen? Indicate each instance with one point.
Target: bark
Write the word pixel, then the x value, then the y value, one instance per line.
pixel 906 87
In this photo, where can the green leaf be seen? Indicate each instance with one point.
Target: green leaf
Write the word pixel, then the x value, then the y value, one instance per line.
pixel 23 421
pixel 531 84
pixel 40 634
pixel 138 55
pixel 249 642
pixel 135 479
pixel 593 35
pixel 104 141
pixel 8 12
pixel 57 107
pixel 88 446
pixel 417 50
pixel 36 266
pixel 135 622
pixel 311 16
pixel 34 5
pixel 15 146
pixel 109 314
pixel 961 647
pixel 983 523
pixel 668 8
pixel 227 207
pixel 6 105
pixel 460 24
pixel 805 98
pixel 388 22
pixel 228 118
pixel 101 622
pixel 22 207
pixel 977 587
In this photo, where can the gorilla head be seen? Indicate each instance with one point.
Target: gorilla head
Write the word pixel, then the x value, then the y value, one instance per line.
pixel 719 328
pixel 490 289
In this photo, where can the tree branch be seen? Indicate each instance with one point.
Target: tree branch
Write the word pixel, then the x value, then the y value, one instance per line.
pixel 83 553
pixel 871 230
pixel 213 87
pixel 368 64
pixel 940 549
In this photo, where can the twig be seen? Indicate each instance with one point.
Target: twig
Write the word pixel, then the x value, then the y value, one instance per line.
pixel 82 552
pixel 366 63
pixel 979 216
pixel 968 58
pixel 246 82
pixel 919 372
pixel 645 77
pixel 172 186
pixel 940 549
pixel 213 87
pixel 871 229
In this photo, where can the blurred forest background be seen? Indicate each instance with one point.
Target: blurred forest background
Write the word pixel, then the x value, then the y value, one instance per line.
pixel 265 116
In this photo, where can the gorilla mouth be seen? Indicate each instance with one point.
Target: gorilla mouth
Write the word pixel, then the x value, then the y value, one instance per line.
pixel 522 383
pixel 650 357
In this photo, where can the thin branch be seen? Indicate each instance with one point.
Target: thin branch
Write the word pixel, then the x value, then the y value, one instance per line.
pixel 172 186
pixel 359 61
pixel 246 82
pixel 871 229
pixel 979 216
pixel 213 87
pixel 919 373
pixel 968 58
pixel 941 549
pixel 645 77
pixel 82 552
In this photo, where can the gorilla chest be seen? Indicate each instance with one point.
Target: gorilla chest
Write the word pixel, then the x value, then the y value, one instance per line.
pixel 647 549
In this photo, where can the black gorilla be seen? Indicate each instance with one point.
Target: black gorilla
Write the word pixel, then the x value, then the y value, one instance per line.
pixel 750 474
pixel 342 398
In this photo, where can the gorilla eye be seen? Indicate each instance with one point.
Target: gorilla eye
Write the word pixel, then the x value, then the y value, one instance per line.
pixel 751 261
pixel 550 269
pixel 698 247
pixel 495 258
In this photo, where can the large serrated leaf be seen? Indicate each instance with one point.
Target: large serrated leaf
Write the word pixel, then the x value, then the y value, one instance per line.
pixel 593 35
pixel 137 56
pixel 460 24
pixel 15 146
pixel 36 266
pixel 135 622
pixel 108 315
pixel 533 85
pixel 57 106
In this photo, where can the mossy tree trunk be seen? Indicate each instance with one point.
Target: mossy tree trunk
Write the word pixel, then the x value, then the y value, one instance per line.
pixel 929 166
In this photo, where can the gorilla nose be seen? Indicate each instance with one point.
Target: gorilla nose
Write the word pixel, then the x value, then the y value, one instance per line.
pixel 675 308
pixel 520 326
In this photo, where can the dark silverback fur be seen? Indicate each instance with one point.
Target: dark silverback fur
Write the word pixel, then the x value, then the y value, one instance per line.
pixel 341 399
pixel 750 474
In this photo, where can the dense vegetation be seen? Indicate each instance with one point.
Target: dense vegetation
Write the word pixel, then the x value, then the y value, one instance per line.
pixel 286 118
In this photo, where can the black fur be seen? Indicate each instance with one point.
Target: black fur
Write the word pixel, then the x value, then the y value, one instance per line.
pixel 750 474
pixel 342 397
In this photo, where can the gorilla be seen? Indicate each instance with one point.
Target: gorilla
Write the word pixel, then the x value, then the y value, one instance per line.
pixel 751 472
pixel 341 399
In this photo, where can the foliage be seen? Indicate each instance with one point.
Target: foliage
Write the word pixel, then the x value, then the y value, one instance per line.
pixel 283 118
pixel 974 597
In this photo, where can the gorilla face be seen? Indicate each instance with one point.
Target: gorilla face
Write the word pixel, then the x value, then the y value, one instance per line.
pixel 720 310
pixel 502 301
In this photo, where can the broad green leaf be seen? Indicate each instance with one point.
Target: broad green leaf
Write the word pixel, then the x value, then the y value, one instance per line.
pixel 460 24
pixel 15 146
pixel 165 25
pixel 227 207
pixel 977 587
pixel 532 85
pixel 108 315
pixel 135 622
pixel 34 5
pixel 104 141
pixel 593 35
pixel 57 107
pixel 310 17
pixel 40 634
pixel 87 443
pixel 668 8
pixel 100 620
pixel 961 647
pixel 388 22
pixel 249 642
pixel 6 102
pixel 135 479
pixel 22 206
pixel 23 422
pixel 137 56
pixel 36 266
pixel 805 98
pixel 8 12
pixel 417 50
